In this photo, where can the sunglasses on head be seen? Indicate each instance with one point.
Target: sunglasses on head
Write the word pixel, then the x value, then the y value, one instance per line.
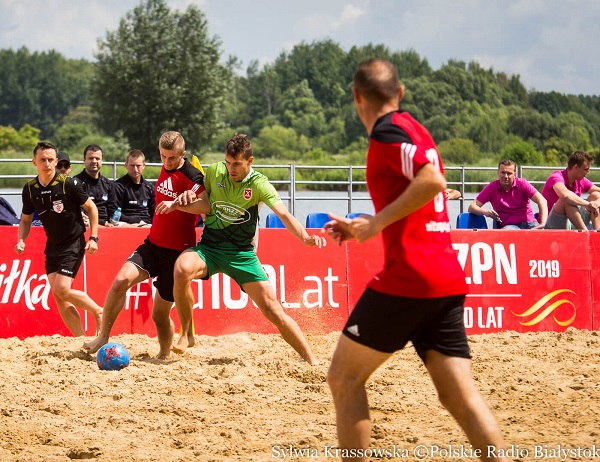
pixel 63 165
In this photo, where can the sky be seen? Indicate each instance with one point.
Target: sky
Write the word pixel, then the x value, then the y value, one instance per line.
pixel 553 45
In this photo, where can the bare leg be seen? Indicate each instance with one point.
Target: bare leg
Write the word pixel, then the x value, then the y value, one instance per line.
pixel 70 316
pixel 457 393
pixel 164 326
pixel 574 216
pixel 128 275
pixel 68 298
pixel 351 366
pixel 263 295
pixel 595 217
pixel 189 266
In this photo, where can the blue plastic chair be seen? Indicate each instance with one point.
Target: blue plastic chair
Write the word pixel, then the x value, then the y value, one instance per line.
pixel 470 221
pixel 317 220
pixel 356 214
pixel 273 221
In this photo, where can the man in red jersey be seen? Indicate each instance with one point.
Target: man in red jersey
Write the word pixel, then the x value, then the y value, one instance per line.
pixel 168 237
pixel 419 295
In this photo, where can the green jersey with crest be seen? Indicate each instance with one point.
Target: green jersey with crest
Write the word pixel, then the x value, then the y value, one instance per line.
pixel 233 220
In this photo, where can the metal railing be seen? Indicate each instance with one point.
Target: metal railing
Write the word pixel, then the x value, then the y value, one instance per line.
pixel 350 188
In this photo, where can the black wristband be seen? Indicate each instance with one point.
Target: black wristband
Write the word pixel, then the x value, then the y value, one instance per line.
pixel 94 238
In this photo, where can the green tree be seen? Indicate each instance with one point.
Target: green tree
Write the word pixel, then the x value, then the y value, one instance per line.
pixel 24 139
pixel 160 71
pixel 68 136
pixel 40 88
pixel 458 151
pixel 523 153
pixel 301 111
pixel 280 143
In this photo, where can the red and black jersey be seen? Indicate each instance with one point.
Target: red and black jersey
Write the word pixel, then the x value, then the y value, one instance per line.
pixel 419 259
pixel 176 230
pixel 58 207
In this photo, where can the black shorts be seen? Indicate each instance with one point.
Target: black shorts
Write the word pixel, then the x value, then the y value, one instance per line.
pixel 66 258
pixel 158 262
pixel 386 323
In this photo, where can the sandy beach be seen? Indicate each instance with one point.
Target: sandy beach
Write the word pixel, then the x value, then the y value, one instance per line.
pixel 248 397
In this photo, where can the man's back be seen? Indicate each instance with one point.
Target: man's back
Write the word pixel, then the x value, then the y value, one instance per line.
pixel 418 248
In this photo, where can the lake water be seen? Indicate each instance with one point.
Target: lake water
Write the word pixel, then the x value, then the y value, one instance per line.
pixel 307 202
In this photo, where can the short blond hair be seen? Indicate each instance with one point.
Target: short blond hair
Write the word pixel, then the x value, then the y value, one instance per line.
pixel 172 141
pixel 135 154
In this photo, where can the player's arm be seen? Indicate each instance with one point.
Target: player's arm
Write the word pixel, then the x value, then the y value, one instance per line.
pixel 92 212
pixel 428 183
pixel 476 208
pixel 543 209
pixel 24 229
pixel 188 201
pixel 295 227
pixel 452 194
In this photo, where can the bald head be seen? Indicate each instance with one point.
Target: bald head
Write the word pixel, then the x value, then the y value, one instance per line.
pixel 377 81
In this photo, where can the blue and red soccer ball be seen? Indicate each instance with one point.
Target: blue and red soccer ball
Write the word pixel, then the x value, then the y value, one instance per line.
pixel 112 357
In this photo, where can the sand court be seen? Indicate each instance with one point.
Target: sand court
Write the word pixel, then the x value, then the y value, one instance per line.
pixel 248 397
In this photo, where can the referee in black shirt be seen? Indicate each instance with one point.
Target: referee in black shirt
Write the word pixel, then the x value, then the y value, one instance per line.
pixel 58 199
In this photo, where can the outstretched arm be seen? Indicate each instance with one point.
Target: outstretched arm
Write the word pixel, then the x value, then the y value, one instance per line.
pixel 186 202
pixel 296 228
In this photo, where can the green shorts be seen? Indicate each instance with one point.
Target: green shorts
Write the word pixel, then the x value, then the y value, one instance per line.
pixel 240 265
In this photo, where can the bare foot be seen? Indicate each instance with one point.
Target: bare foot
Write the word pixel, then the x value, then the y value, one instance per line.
pixel 191 340
pixel 181 345
pixel 95 344
pixel 164 356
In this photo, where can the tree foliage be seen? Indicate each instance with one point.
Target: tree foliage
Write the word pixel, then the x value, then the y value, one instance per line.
pixel 160 71
pixel 39 89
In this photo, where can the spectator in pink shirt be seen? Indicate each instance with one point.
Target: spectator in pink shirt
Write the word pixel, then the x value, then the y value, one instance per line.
pixel 563 190
pixel 510 199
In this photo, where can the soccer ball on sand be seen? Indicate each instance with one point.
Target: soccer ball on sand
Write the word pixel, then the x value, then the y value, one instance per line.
pixel 112 357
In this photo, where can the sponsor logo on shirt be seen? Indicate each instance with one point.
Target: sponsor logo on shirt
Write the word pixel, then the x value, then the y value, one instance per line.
pixel 58 206
pixel 438 226
pixel 230 213
pixel 354 330
pixel 166 188
pixel 220 185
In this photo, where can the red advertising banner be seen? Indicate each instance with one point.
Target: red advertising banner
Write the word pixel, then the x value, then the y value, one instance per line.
pixel 518 280
pixel 525 281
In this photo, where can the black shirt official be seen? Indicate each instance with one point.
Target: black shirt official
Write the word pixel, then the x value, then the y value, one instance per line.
pixel 136 200
pixel 102 191
pixel 58 207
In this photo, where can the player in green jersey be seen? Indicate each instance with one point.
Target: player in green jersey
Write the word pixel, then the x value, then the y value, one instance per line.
pixel 227 244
